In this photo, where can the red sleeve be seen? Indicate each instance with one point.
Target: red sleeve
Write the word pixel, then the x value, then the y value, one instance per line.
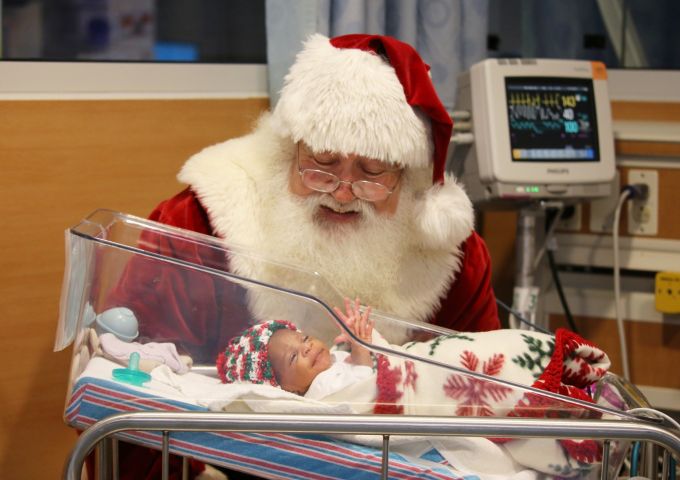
pixel 470 304
pixel 183 211
pixel 197 311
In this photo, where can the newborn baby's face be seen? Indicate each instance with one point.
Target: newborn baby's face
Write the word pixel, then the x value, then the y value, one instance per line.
pixel 297 359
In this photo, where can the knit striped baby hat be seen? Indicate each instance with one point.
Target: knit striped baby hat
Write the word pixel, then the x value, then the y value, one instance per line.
pixel 246 358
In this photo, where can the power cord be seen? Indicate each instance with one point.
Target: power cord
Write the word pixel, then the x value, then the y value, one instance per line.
pixel 548 248
pixel 521 318
pixel 628 192
pixel 560 291
pixel 548 244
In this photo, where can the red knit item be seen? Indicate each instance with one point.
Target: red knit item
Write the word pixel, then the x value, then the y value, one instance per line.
pixel 557 379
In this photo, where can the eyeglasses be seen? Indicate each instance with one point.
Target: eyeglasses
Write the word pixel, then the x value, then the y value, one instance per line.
pixel 326 182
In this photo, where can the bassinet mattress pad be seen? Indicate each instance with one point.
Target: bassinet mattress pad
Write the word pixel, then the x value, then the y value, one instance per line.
pixel 97 396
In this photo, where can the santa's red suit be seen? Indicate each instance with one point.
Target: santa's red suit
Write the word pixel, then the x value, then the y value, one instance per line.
pixel 423 262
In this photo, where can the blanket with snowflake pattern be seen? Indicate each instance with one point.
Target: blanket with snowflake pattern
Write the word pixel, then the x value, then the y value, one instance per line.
pixel 564 363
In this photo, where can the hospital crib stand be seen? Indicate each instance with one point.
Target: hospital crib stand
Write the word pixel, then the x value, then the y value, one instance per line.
pixel 382 425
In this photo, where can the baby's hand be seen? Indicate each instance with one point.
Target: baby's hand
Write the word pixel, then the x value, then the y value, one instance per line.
pixel 359 323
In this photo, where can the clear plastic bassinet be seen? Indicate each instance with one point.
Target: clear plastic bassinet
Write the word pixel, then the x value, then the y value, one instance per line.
pixel 139 283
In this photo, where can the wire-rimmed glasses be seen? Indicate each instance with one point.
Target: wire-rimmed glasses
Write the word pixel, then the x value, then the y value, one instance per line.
pixel 326 182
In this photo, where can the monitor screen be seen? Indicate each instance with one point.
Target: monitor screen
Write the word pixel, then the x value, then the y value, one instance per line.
pixel 552 119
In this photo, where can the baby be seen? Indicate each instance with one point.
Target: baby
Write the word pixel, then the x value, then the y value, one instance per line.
pixel 277 353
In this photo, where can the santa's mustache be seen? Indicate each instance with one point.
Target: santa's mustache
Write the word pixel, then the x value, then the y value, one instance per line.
pixel 355 206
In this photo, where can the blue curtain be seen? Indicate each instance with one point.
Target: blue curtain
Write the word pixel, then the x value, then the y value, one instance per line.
pixel 450 35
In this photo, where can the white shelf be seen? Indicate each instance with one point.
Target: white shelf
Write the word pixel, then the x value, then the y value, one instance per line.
pixel 647 131
pixel 645 254
pixel 122 80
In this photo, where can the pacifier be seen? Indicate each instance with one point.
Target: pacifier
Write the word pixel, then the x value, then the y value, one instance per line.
pixel 132 374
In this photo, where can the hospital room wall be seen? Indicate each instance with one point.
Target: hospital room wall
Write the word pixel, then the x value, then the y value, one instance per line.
pixel 647 137
pixel 63 158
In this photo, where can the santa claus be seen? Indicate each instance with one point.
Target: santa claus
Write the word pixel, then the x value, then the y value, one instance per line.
pixel 346 178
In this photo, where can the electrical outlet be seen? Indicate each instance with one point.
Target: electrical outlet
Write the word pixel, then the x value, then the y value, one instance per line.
pixel 573 222
pixel 643 214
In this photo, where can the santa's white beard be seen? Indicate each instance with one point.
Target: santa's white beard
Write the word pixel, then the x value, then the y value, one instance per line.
pixel 357 259
pixel 361 258
pixel 374 258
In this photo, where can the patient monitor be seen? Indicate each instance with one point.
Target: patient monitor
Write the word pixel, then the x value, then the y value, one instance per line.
pixel 539 136
pixel 542 130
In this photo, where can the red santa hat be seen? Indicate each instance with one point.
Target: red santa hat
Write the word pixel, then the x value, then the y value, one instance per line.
pixel 372 95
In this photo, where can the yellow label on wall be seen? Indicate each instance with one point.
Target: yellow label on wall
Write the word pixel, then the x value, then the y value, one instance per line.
pixel 667 292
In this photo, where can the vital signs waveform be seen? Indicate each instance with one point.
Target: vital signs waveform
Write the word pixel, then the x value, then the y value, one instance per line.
pixel 535 112
pixel 537 127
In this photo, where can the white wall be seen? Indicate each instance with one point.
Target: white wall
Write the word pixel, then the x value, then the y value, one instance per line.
pixel 644 85
pixel 101 80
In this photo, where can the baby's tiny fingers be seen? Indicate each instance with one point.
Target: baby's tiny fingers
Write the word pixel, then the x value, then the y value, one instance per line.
pixel 348 306
pixel 339 313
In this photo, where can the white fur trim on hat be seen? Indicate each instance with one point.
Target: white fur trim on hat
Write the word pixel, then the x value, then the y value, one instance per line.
pixel 351 101
pixel 444 215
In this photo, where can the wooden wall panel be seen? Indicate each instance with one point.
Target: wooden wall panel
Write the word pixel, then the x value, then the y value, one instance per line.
pixel 498 230
pixel 651 149
pixel 646 111
pixel 61 160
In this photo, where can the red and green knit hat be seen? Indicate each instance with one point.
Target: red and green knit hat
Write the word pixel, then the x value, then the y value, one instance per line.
pixel 246 357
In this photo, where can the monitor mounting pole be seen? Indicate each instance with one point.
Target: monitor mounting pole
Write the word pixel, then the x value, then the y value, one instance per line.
pixel 530 235
pixel 531 232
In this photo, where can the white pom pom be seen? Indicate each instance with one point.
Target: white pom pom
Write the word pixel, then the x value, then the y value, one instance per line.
pixel 445 215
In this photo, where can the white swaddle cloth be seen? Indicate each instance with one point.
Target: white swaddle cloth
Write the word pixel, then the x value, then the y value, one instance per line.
pixel 340 375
